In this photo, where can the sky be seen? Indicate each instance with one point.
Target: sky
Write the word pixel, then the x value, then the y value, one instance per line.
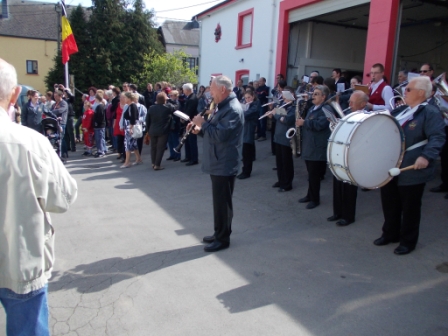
pixel 164 9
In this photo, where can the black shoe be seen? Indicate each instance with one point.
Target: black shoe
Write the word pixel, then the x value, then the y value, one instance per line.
pixel 86 154
pixel 276 185
pixel 178 159
pixel 343 222
pixel 118 157
pixel 208 239
pixel 275 168
pixel 440 188
pixel 446 196
pixel 170 158
pixel 333 218
pixel 243 176
pixel 191 163
pixel 312 205
pixel 381 241
pixel 185 160
pixel 216 246
pixel 305 199
pixel 285 189
pixel 365 189
pixel 401 250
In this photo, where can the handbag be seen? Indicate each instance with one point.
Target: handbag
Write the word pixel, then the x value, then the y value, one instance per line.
pixel 137 131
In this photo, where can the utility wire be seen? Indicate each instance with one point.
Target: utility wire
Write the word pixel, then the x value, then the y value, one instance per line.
pixel 175 9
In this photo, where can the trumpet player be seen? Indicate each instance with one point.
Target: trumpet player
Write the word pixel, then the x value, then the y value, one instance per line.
pixel 315 134
pixel 251 111
pixel 345 194
pixel 283 154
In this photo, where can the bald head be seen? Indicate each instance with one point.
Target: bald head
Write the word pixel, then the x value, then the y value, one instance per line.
pixel 358 101
pixel 8 84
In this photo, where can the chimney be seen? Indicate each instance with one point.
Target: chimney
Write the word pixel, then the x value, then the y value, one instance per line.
pixel 5 13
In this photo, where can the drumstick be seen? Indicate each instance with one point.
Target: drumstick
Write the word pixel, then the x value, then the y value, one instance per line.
pixel 397 171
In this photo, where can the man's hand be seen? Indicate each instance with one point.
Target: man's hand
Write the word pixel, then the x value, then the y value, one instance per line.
pixel 421 163
pixel 198 121
pixel 195 130
pixel 300 122
pixel 369 107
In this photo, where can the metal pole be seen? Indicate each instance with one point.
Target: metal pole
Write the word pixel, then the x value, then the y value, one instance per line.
pixel 66 75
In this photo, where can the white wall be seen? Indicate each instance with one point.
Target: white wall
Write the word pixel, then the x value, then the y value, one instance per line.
pixel 192 51
pixel 222 57
pixel 323 47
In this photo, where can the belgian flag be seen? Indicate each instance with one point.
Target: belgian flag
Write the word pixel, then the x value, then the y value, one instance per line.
pixel 68 40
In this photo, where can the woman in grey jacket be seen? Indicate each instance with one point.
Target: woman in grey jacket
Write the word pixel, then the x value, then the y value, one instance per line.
pixel 32 112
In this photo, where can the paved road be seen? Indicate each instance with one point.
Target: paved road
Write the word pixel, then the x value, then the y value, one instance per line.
pixel 130 260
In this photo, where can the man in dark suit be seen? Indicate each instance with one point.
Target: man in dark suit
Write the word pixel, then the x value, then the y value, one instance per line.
pixel 191 108
pixel 223 140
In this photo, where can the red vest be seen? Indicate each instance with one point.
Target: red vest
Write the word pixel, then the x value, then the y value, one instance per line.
pixel 376 98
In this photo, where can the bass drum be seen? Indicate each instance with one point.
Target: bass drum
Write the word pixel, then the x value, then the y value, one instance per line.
pixel 364 146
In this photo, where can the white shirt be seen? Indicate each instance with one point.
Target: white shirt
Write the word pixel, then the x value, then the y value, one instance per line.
pixel 387 95
pixel 33 182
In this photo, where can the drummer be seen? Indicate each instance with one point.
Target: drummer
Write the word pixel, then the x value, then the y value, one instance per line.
pixel 401 198
pixel 344 194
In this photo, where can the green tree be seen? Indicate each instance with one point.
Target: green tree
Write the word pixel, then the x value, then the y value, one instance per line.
pixel 171 68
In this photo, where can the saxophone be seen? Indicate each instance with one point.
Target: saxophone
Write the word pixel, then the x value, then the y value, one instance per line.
pixel 295 133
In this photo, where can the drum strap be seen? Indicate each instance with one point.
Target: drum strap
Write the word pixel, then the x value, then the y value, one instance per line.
pixel 418 144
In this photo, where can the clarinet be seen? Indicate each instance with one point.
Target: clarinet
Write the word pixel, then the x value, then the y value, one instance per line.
pixel 187 133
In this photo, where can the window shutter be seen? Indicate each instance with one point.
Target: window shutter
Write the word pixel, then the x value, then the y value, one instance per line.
pixel 247 29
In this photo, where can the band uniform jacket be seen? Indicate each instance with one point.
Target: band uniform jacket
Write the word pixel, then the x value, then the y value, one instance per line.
pixel 315 134
pixel 223 138
pixel 427 123
pixel 282 126
pixel 250 122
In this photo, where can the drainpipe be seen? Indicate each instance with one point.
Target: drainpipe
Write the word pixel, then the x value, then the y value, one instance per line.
pixel 272 44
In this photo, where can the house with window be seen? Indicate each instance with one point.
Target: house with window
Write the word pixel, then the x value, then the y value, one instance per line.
pixel 28 39
pixel 238 39
pixel 177 35
pixel 246 39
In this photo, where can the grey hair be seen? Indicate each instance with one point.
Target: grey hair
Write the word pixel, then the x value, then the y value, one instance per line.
pixel 187 86
pixel 362 95
pixel 423 83
pixel 108 93
pixel 8 80
pixel 224 81
pixel 322 88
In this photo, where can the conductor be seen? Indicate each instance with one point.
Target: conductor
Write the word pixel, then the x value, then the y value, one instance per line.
pixel 223 141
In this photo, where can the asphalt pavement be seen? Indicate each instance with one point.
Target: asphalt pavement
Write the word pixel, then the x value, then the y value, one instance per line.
pixel 130 261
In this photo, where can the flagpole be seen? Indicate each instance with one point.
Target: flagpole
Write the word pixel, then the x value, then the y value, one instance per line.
pixel 66 75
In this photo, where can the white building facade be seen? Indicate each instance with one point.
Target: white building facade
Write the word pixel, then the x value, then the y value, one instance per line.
pixel 238 38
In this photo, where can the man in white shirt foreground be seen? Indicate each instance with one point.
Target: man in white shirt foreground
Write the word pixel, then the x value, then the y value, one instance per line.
pixel 33 182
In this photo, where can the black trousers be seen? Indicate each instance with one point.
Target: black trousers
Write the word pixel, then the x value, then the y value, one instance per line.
pixel 344 200
pixel 69 136
pixel 316 169
pixel 140 144
pixel 444 161
pixel 77 125
pixel 120 145
pixel 402 211
pixel 158 145
pixel 273 123
pixel 285 165
pixel 248 157
pixel 222 190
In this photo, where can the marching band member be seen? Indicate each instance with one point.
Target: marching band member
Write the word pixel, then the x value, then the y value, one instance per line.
pixel 380 92
pixel 344 194
pixel 251 111
pixel 315 134
pixel 283 154
pixel 401 198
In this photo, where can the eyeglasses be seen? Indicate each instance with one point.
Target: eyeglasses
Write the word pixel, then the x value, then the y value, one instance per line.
pixel 316 94
pixel 424 71
pixel 410 89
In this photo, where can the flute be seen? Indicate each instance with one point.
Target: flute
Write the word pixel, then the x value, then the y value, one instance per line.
pixel 270 112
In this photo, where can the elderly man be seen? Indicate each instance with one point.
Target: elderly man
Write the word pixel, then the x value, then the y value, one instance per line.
pixel 344 194
pixel 191 108
pixel 380 92
pixel 33 182
pixel 427 70
pixel 223 141
pixel 402 81
pixel 60 110
pixel 401 198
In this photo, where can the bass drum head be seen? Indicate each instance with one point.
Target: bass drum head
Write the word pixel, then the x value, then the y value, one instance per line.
pixel 375 147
